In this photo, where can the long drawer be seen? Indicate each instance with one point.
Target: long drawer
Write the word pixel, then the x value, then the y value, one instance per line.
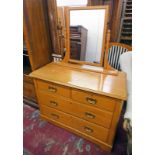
pixel 100 117
pixel 99 101
pixel 53 88
pixel 86 127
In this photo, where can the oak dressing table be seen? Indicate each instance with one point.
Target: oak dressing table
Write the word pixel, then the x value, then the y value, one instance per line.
pixel 82 97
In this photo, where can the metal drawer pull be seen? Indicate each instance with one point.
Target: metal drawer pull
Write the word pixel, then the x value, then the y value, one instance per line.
pixel 91 100
pixel 55 104
pixel 88 129
pixel 52 89
pixel 55 116
pixel 89 115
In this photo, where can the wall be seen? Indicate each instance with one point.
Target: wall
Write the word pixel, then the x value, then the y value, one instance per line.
pixel 93 21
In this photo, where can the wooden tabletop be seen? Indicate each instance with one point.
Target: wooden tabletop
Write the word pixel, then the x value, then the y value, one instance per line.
pixel 105 84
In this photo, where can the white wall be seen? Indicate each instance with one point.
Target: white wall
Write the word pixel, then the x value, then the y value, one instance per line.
pixel 71 2
pixel 93 21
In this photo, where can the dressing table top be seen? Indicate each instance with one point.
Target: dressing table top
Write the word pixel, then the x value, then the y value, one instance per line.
pixel 100 83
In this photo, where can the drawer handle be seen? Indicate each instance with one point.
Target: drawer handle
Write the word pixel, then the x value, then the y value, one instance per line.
pixel 88 129
pixel 55 116
pixel 52 89
pixel 91 100
pixel 89 115
pixel 55 104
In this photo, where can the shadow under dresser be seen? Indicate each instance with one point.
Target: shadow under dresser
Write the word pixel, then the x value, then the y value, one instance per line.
pixel 83 102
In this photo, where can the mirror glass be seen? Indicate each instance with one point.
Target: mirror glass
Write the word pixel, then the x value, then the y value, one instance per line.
pixel 86 34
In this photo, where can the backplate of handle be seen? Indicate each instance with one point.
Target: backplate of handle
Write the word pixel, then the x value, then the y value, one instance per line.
pixel 91 100
pixel 52 89
pixel 55 116
pixel 87 129
pixel 53 103
pixel 89 115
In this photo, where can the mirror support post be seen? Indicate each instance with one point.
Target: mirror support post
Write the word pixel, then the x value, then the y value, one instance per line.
pixel 106 51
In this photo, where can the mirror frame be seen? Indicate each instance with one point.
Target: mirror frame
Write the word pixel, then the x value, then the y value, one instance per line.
pixel 67 19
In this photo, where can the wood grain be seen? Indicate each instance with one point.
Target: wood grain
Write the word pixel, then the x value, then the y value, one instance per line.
pixel 86 103
pixel 101 102
pixel 86 112
pixel 53 88
pixel 102 144
pixel 114 123
pixel 76 123
pixel 116 20
pixel 53 25
pixel 98 83
pixel 36 32
pixel 29 91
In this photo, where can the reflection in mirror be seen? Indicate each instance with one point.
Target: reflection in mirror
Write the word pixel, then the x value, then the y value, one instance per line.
pixel 86 34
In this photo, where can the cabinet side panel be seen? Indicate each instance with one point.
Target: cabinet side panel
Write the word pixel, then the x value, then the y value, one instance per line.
pixel 116 116
pixel 36 32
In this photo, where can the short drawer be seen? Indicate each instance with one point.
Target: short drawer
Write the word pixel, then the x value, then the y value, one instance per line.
pixel 29 91
pixel 81 125
pixel 91 114
pixel 53 88
pixel 55 115
pixel 99 101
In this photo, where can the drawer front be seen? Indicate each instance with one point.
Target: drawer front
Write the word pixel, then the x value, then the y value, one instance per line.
pixel 53 88
pixel 99 101
pixel 76 123
pixel 29 91
pixel 27 79
pixel 86 112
